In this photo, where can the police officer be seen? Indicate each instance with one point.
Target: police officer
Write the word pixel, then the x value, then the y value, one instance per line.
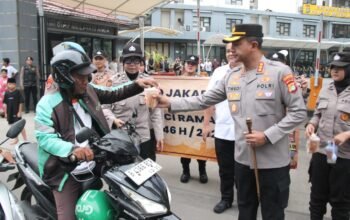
pixel 224 135
pixel 191 64
pixel 103 75
pixel 134 108
pixel 265 91
pixel 29 82
pixel 330 182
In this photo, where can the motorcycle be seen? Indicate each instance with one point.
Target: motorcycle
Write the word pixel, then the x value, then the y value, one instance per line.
pixel 10 208
pixel 135 190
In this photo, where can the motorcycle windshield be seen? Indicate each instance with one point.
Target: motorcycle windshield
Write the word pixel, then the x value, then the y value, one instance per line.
pixel 120 143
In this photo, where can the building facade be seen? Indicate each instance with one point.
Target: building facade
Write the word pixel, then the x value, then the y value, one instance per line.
pixel 289 24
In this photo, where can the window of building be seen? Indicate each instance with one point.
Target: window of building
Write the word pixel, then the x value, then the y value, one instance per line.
pixel 165 18
pixel 306 57
pixel 236 2
pixel 309 31
pixel 205 23
pixel 283 29
pixel 230 22
pixel 341 3
pixel 312 2
pixel 341 31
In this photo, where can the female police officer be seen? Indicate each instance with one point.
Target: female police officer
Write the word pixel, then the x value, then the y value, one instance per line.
pixel 330 183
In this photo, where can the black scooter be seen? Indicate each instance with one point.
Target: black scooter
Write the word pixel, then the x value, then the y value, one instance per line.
pixel 136 191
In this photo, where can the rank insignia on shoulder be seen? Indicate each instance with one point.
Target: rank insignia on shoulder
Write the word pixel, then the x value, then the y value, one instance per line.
pixel 344 117
pixel 260 67
pixel 290 83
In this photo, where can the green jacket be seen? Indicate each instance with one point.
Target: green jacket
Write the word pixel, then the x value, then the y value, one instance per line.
pixel 54 126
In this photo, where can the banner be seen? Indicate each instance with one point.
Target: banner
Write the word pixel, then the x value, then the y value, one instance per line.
pixel 326 11
pixel 183 131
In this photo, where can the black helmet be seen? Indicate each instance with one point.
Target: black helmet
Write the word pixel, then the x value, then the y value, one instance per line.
pixel 65 62
pixel 131 50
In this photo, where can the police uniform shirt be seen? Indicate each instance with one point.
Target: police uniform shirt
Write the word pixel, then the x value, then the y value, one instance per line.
pixel 125 109
pixel 263 94
pixel 332 116
pixel 224 125
pixel 101 78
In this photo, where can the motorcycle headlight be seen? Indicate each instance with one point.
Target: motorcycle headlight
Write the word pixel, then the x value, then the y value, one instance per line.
pixel 148 205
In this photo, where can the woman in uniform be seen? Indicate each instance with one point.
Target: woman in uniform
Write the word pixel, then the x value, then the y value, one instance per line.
pixel 330 183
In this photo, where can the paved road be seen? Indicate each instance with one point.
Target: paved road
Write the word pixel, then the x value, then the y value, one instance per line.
pixel 193 200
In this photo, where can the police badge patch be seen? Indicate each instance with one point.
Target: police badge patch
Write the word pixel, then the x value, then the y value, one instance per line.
pixel 290 83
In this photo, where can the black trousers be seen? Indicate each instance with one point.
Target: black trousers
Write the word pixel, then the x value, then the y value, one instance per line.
pixel 27 91
pixel 225 155
pixel 274 189
pixel 186 165
pixel 329 183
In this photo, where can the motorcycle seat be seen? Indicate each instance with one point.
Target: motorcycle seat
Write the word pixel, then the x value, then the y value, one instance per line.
pixel 30 155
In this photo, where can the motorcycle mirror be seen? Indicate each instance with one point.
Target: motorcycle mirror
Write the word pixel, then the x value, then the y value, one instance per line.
pixel 84 134
pixel 16 128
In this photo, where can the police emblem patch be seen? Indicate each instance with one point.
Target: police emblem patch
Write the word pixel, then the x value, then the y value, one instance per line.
pixel 132 49
pixel 290 83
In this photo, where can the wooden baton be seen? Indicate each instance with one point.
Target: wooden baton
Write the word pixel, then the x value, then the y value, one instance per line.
pixel 249 125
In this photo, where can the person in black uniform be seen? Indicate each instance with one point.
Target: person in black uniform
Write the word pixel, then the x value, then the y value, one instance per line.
pixel 29 82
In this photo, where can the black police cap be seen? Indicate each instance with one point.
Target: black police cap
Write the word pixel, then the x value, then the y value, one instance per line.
pixel 100 53
pixel 341 59
pixel 244 30
pixel 192 58
pixel 131 50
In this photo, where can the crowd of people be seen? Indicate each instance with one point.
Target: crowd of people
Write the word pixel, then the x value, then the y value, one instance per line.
pixel 256 160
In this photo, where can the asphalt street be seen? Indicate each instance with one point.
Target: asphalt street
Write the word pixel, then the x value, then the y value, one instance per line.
pixel 195 201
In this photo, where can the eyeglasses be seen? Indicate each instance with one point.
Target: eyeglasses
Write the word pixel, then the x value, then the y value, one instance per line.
pixel 132 61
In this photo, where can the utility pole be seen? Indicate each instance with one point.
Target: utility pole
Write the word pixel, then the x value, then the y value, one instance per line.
pixel 42 54
pixel 318 53
pixel 198 36
pixel 142 37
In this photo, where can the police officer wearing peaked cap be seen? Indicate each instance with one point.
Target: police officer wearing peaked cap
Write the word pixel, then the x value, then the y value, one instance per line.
pixel 191 64
pixel 193 59
pixel 265 91
pixel 147 120
pixel 103 75
pixel 331 120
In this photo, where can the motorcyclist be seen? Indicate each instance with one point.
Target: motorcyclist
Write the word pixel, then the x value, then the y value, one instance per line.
pixel 60 114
